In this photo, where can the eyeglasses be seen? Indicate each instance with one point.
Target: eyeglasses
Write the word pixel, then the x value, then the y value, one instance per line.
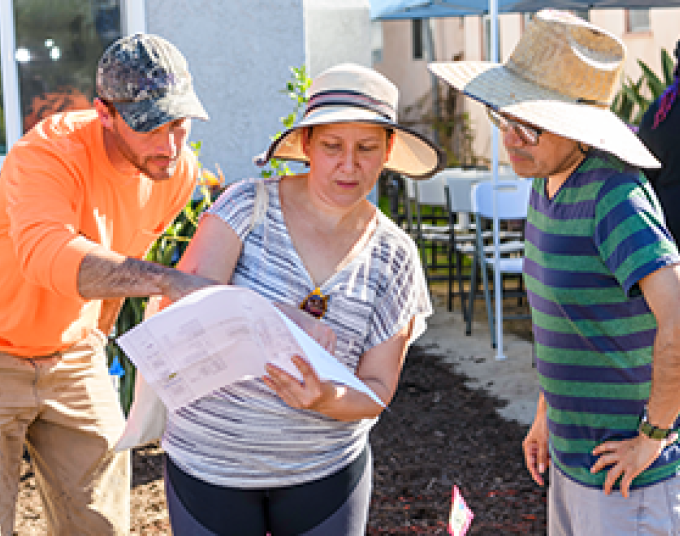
pixel 528 135
pixel 315 303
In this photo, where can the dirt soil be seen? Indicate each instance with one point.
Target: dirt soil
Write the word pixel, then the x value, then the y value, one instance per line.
pixel 436 433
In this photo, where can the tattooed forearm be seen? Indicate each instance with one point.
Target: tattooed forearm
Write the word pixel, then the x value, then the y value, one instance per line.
pixel 109 275
pixel 106 274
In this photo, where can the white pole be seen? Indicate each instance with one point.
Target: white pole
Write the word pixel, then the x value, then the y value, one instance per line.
pixel 134 17
pixel 493 16
pixel 10 76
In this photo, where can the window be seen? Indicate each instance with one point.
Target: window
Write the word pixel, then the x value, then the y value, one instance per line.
pixel 418 35
pixel 56 47
pixel 486 39
pixel 376 41
pixel 422 38
pixel 582 13
pixel 637 20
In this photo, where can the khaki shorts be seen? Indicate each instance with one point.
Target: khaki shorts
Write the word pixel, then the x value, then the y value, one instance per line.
pixel 65 410
pixel 576 510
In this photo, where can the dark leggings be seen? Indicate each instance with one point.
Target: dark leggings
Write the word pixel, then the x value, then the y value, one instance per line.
pixel 333 506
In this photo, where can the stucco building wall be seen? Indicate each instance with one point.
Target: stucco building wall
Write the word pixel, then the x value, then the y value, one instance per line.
pixel 411 75
pixel 239 54
pixel 336 32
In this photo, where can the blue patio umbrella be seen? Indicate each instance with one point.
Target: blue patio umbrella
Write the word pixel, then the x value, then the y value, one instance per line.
pixel 420 9
pixel 416 9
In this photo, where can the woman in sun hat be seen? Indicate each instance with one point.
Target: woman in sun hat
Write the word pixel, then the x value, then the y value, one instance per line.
pixel 275 454
pixel 602 277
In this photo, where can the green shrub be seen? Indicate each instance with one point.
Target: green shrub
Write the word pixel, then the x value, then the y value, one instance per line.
pixel 633 99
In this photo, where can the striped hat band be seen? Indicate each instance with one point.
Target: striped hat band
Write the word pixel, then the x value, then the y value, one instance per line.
pixel 350 98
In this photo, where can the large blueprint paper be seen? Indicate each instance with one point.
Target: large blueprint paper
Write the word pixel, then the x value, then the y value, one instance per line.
pixel 220 335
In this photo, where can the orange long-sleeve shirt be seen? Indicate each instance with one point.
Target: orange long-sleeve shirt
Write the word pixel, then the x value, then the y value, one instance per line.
pixel 59 198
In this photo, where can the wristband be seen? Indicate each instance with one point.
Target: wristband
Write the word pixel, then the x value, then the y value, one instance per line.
pixel 652 431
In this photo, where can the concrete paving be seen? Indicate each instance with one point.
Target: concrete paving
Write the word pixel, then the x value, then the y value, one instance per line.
pixel 512 379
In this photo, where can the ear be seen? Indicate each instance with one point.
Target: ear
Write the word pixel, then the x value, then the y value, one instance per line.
pixel 390 146
pixel 306 140
pixel 105 116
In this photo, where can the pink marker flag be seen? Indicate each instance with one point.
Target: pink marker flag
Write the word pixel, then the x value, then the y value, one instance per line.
pixel 461 516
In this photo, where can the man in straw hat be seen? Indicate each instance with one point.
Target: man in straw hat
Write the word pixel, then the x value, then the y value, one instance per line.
pixel 603 280
pixel 82 197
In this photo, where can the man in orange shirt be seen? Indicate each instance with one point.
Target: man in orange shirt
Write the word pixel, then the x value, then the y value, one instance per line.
pixel 82 197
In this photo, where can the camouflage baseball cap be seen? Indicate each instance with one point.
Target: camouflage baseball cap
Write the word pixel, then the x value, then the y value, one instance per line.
pixel 147 80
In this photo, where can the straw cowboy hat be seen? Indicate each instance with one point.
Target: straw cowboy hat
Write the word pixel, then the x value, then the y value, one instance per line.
pixel 562 76
pixel 351 93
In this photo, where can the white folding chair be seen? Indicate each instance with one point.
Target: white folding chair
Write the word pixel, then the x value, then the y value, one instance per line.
pixel 458 187
pixel 461 233
pixel 512 204
pixel 430 225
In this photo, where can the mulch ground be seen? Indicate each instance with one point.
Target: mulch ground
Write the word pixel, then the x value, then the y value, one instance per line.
pixel 437 433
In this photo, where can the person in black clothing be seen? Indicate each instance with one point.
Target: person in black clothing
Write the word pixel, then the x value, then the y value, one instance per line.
pixel 659 130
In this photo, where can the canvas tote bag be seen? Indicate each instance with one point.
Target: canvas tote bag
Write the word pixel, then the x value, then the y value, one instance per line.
pixel 148 415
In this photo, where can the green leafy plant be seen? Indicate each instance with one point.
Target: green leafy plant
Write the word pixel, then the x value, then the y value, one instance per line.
pixel 634 97
pixel 168 248
pixel 296 89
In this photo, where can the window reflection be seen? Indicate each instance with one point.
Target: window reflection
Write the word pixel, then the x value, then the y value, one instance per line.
pixel 58 45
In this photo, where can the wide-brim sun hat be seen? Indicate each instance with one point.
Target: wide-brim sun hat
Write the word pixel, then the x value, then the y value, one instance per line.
pixel 350 93
pixel 562 76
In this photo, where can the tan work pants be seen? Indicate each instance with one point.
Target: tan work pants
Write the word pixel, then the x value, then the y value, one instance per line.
pixel 65 410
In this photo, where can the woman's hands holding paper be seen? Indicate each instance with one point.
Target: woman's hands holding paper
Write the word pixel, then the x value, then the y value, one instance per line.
pixel 316 329
pixel 309 393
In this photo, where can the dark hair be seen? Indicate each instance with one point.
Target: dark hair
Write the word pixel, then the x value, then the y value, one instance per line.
pixel 390 133
pixel 109 106
pixel 676 53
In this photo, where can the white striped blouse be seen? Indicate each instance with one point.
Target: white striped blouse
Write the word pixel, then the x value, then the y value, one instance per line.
pixel 244 435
